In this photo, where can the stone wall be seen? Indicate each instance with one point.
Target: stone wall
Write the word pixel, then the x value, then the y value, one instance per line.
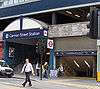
pixel 65 30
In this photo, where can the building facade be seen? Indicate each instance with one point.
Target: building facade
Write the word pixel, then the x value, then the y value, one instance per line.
pixel 67 26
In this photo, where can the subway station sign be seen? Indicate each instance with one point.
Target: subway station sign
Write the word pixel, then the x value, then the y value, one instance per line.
pixel 50 44
pixel 25 34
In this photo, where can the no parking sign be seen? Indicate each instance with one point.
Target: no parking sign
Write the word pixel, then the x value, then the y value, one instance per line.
pixel 50 44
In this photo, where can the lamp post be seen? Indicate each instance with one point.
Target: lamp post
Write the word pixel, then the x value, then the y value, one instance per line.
pixel 41 46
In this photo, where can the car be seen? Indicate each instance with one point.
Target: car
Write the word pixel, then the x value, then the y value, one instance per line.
pixel 5 70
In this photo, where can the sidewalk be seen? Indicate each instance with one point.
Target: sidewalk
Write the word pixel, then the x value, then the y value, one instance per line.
pixel 81 83
pixel 87 83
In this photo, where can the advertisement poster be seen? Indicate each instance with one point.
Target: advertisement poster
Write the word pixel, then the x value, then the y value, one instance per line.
pixel 11 51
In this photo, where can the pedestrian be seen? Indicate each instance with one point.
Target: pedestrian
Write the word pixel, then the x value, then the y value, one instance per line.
pixel 60 70
pixel 45 68
pixel 37 69
pixel 28 69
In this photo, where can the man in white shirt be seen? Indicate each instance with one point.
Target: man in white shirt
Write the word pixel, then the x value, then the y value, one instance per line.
pixel 28 69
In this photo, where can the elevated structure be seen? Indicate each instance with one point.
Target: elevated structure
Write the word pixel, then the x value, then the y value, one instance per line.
pixel 43 6
pixel 73 48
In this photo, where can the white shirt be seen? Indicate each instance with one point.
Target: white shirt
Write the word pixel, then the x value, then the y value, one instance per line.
pixel 27 68
pixel 61 68
pixel 37 66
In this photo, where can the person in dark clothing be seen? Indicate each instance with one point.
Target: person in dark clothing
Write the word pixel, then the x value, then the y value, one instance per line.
pixel 28 69
pixel 37 69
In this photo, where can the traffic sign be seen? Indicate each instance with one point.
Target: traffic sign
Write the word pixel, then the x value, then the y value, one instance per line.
pixel 50 44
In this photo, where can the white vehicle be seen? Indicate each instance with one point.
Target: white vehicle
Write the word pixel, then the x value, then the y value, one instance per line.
pixel 5 70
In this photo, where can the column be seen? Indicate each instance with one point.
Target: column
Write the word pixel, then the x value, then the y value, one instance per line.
pixel 21 22
pixel 52 55
pixel 98 63
pixel 53 18
pixel 52 60
pixel 6 52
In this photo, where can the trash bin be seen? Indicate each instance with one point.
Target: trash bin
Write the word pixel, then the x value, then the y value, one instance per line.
pixel 53 74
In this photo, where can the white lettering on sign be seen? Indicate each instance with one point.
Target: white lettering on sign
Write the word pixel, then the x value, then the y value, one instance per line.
pixel 13 35
pixel 23 34
pixel 50 44
pixel 34 33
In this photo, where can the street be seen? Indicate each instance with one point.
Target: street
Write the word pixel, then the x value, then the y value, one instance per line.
pixel 15 83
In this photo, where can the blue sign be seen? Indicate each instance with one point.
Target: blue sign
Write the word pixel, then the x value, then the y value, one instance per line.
pixel 77 53
pixel 25 34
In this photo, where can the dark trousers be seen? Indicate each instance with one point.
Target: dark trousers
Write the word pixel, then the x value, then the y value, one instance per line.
pixel 37 70
pixel 27 79
pixel 46 74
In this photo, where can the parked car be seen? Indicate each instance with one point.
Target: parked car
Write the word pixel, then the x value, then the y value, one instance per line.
pixel 5 70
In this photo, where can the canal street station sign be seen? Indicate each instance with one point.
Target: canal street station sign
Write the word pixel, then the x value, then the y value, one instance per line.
pixel 25 34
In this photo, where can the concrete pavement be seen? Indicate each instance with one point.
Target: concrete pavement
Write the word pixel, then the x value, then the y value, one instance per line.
pixel 4 86
pixel 13 83
pixel 75 83
pixel 68 83
pixel 81 83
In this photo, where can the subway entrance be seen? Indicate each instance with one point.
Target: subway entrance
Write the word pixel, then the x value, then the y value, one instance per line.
pixel 25 38
pixel 26 48
pixel 78 64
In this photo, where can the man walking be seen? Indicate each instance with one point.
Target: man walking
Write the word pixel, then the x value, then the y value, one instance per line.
pixel 28 69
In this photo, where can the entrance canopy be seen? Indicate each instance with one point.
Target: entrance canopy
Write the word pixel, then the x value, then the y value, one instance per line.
pixel 27 23
pixel 21 38
pixel 31 28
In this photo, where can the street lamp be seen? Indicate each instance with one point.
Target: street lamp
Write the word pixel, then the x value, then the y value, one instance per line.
pixel 41 46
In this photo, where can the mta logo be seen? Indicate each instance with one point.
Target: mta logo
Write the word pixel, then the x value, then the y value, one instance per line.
pixel 7 36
